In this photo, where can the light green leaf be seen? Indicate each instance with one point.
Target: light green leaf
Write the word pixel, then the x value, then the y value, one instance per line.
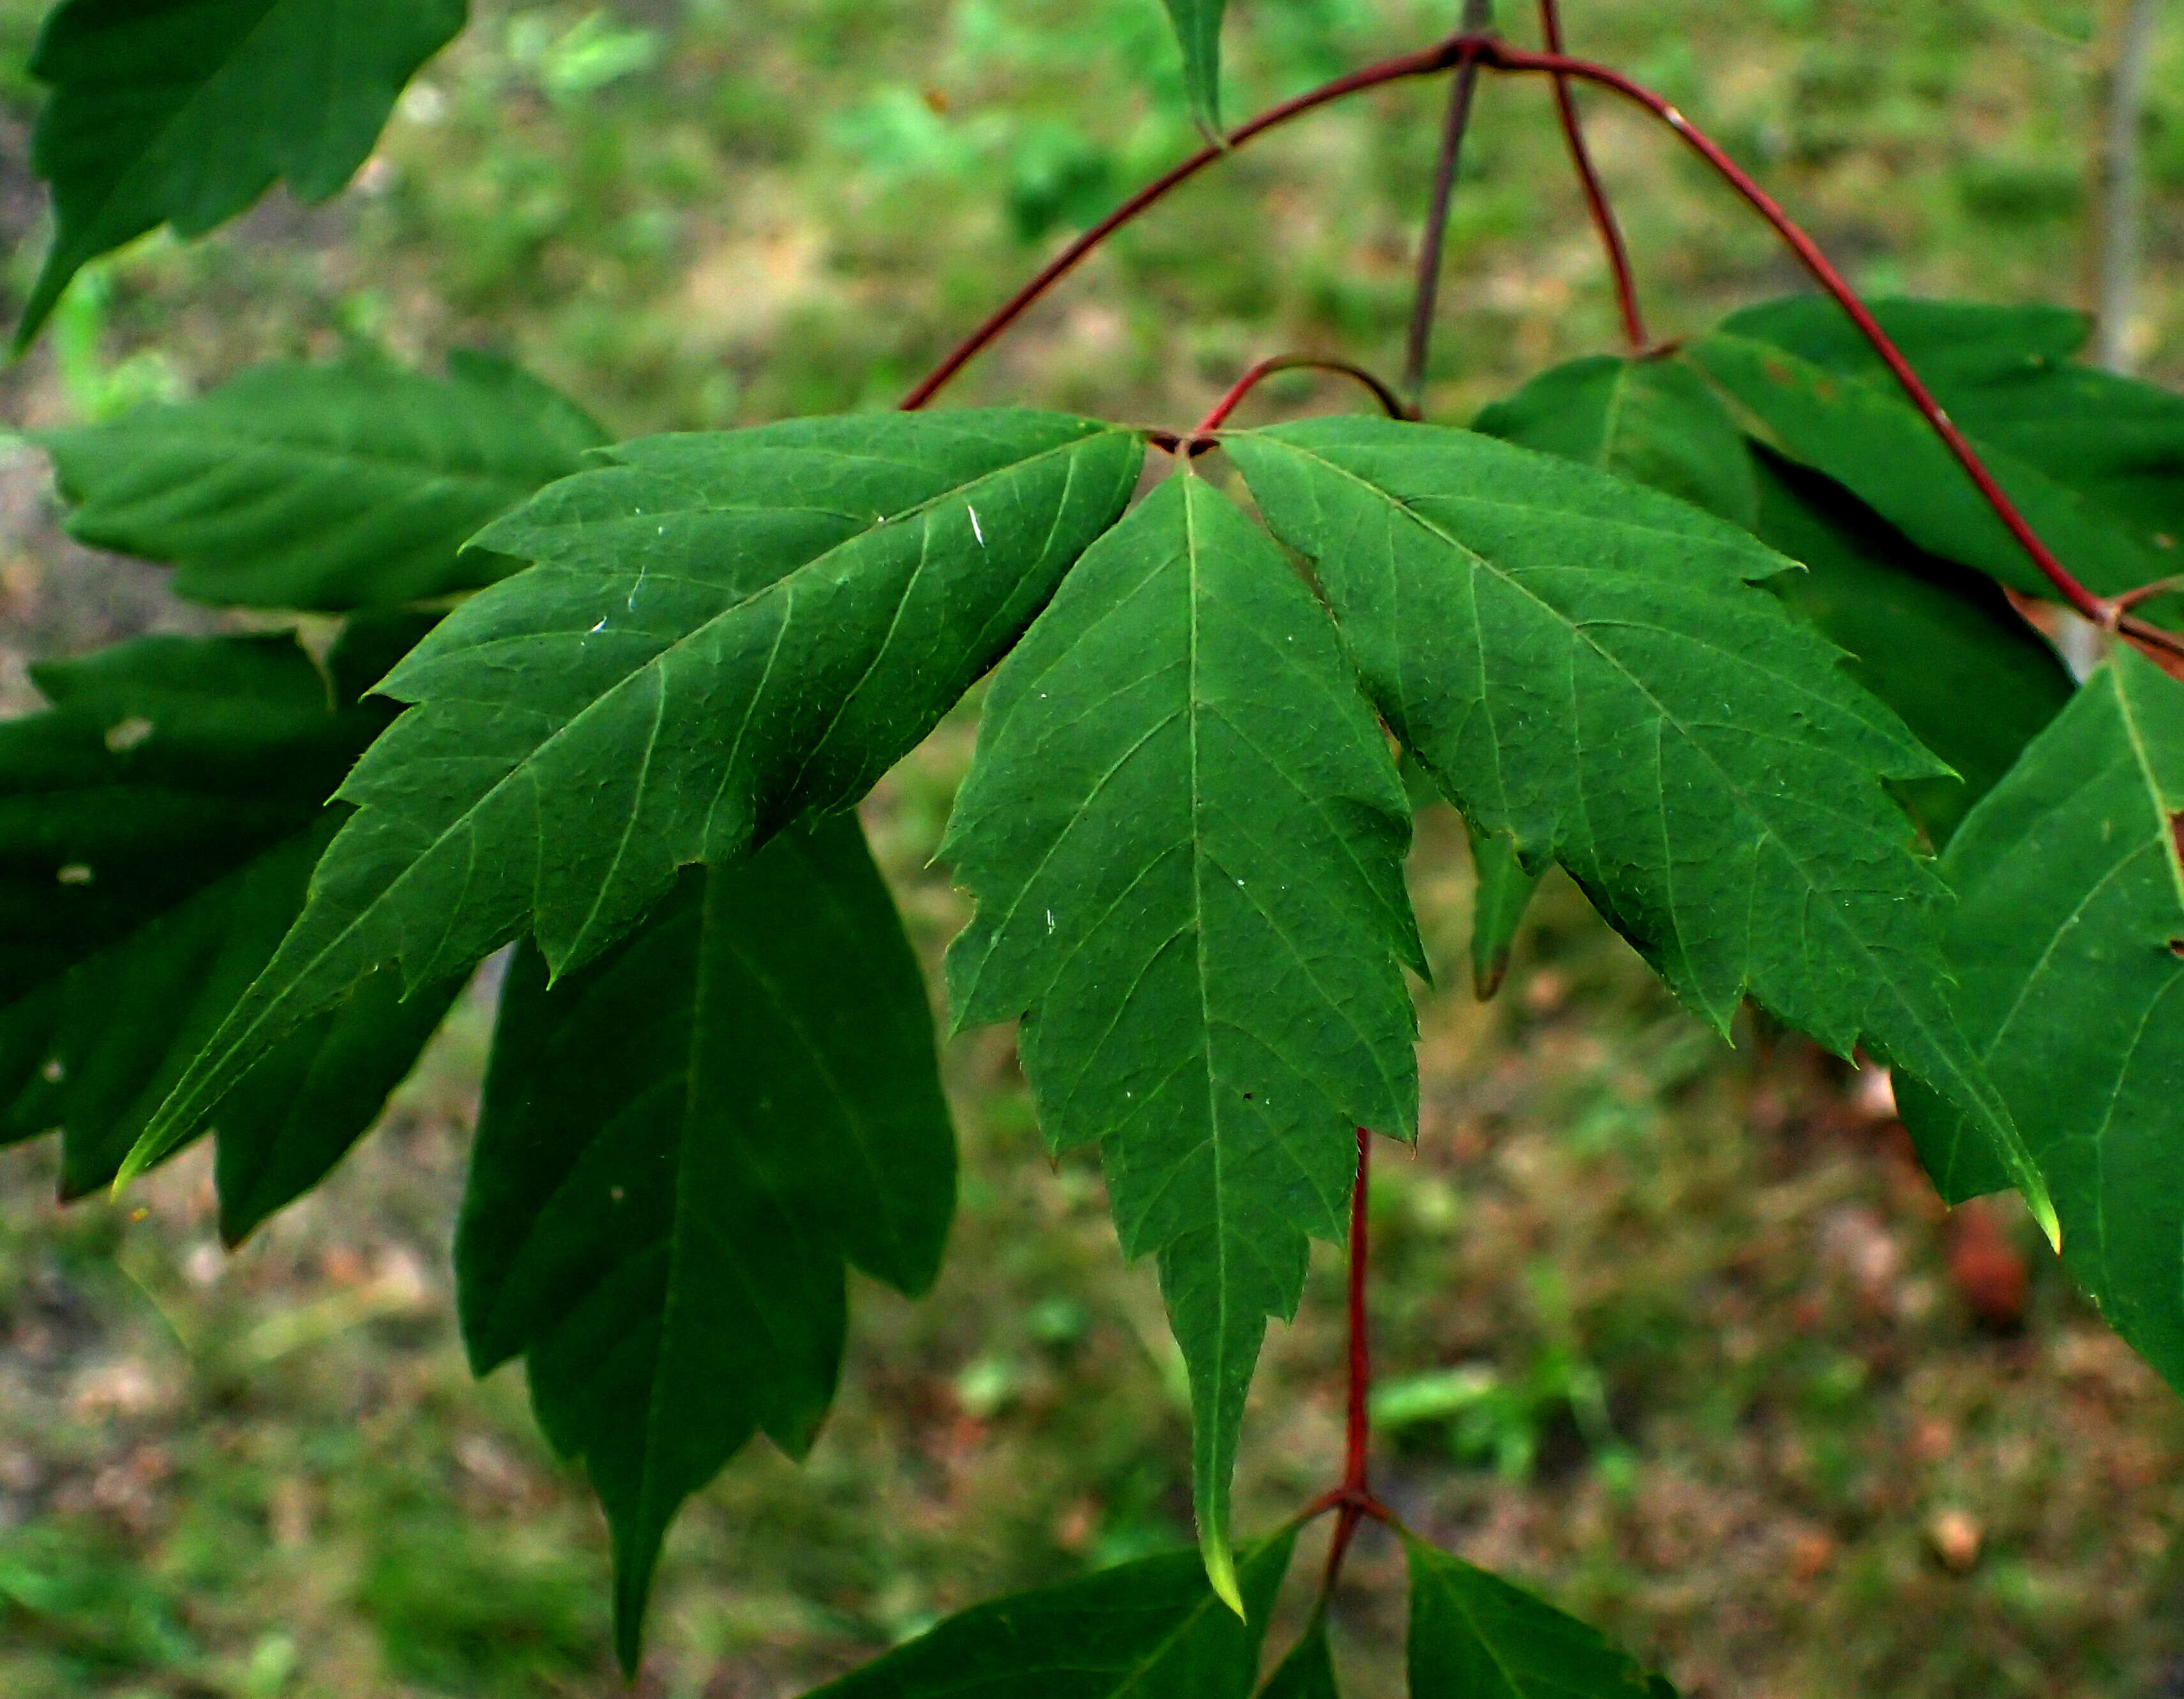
pixel 2067 943
pixel 160 821
pixel 1197 32
pixel 681 1146
pixel 723 631
pixel 326 487
pixel 1475 1636
pixel 184 112
pixel 1584 665
pixel 1185 832
pixel 1653 421
pixel 1152 1630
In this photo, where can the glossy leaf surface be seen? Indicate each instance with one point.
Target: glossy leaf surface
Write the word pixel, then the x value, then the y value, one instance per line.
pixel 1149 1628
pixel 323 488
pixel 1473 1634
pixel 682 1146
pixel 157 825
pixel 1586 666
pixel 2067 944
pixel 183 112
pixel 722 631
pixel 1185 832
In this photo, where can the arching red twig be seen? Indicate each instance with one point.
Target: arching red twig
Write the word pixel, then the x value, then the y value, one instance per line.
pixel 1595 197
pixel 1425 62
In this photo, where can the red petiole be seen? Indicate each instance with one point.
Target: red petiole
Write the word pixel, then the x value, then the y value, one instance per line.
pixel 1595 197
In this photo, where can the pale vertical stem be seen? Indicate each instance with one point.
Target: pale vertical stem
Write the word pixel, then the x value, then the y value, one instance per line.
pixel 2123 186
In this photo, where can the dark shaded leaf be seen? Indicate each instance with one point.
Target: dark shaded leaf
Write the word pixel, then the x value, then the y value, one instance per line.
pixel 681 1146
pixel 157 827
pixel 1186 833
pixel 1151 1628
pixel 723 631
pixel 1866 437
pixel 326 487
pixel 2007 374
pixel 183 112
pixel 1585 666
pixel 2067 945
pixel 1475 1636
pixel 1937 643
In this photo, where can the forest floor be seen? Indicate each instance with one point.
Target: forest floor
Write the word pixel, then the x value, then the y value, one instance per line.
pixel 1674 1332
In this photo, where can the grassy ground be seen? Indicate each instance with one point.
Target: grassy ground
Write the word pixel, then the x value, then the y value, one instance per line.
pixel 1675 1332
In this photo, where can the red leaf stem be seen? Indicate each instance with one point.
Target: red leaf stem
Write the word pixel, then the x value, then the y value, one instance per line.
pixel 1595 197
pixel 1354 1497
pixel 1390 402
pixel 1498 56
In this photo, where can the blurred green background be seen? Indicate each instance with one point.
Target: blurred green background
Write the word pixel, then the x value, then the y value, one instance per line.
pixel 1675 1332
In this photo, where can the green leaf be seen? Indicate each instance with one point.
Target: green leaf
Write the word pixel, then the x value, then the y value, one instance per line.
pixel 2006 374
pixel 1865 436
pixel 1502 889
pixel 1653 421
pixel 326 487
pixel 1308 1672
pixel 681 1146
pixel 183 112
pixel 2067 944
pixel 1937 643
pixel 1152 1628
pixel 1475 1636
pixel 157 825
pixel 1185 834
pixel 1197 32
pixel 1583 664
pixel 723 631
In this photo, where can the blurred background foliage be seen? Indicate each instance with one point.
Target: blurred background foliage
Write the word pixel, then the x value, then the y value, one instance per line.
pixel 1677 1334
